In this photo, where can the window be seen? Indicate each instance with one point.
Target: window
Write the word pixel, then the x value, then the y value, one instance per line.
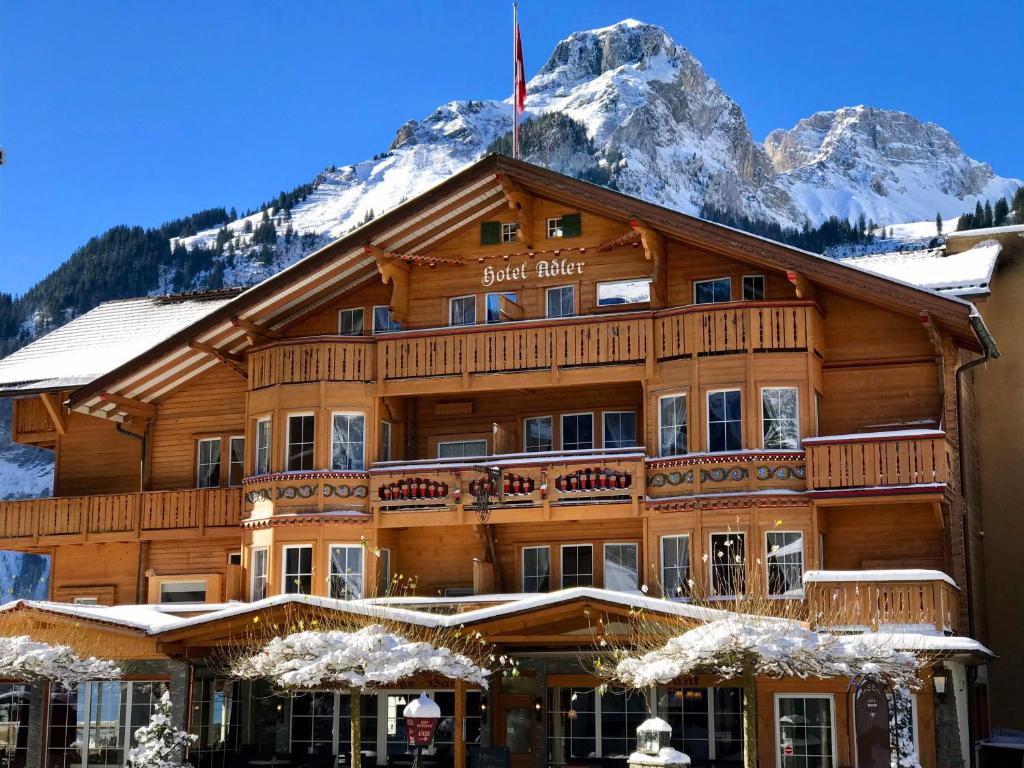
pixel 672 425
pixel 346 572
pixel 14 719
pixel 509 232
pixel 621 567
pixel 624 292
pixel 384 320
pixel 385 441
pixel 258 586
pixel 708 722
pixel 461 449
pixel 577 565
pixel 86 600
pixel 536 569
pixel 462 310
pixel 537 434
pixel 619 429
pixel 805 724
pixel 728 573
pixel 555 227
pixel 494 306
pixel 298 570
pixel 299 456
pixel 350 322
pixel 577 431
pixel 675 566
pixel 208 463
pixel 216 720
pixel 347 441
pixel 566 225
pixel 320 720
pixel 780 418
pixel 262 458
pixel 561 301
pixel 183 591
pixel 725 427
pixel 236 460
pixel 785 559
pixel 712 291
pixel 753 287
pixel 383 571
pixel 588 725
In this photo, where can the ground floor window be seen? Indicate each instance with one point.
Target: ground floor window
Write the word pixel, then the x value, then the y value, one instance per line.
pixel 94 724
pixel 216 721
pixel 805 727
pixel 583 724
pixel 707 723
pixel 14 705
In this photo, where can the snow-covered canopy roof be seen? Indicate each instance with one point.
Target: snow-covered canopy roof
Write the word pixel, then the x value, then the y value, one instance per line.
pixel 101 340
pixel 967 273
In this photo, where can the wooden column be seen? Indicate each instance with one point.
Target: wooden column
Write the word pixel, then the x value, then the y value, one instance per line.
pixel 460 724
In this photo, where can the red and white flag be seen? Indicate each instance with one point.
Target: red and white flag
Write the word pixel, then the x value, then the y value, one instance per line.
pixel 519 81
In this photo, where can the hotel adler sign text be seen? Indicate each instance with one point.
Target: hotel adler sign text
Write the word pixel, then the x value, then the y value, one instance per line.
pixel 527 270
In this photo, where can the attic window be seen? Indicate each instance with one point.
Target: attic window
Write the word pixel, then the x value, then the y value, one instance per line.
pixel 566 225
pixel 508 232
pixel 753 287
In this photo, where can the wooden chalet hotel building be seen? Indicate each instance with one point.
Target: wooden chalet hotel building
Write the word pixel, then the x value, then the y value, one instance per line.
pixel 654 389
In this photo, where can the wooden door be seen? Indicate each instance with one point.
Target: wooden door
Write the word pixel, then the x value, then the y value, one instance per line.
pixel 517 728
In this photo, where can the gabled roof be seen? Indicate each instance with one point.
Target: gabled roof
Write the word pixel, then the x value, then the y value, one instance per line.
pixel 101 340
pixel 473 194
pixel 967 273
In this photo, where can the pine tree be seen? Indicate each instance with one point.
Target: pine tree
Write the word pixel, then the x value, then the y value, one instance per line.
pixel 1000 212
pixel 160 743
pixel 1018 206
pixel 938 223
pixel 988 214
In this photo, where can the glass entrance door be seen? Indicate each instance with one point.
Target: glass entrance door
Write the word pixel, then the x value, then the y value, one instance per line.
pixel 516 728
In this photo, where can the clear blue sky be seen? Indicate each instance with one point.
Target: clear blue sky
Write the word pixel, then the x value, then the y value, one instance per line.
pixel 114 112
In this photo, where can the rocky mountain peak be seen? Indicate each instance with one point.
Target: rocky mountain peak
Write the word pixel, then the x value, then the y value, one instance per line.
pixel 586 55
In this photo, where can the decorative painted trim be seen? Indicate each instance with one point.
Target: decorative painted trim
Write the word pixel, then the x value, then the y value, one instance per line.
pixel 307 518
pixel 316 474
pixel 728 502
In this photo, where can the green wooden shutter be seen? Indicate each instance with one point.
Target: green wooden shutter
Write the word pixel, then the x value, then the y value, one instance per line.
pixel 490 233
pixel 572 226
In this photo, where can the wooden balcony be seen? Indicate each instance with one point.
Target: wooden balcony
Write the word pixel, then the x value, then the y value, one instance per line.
pixel 118 517
pixel 302 360
pixel 708 473
pixel 872 599
pixel 306 492
pixel 881 460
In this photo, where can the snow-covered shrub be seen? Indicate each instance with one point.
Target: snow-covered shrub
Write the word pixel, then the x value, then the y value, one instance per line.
pixel 160 744
pixel 27 660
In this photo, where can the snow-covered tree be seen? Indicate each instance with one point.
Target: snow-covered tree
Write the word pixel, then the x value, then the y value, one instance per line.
pixel 160 743
pixel 27 660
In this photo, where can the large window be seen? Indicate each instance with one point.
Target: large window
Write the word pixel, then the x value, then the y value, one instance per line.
pixel 725 424
pixel 216 721
pixel 461 449
pixel 185 591
pixel 93 724
pixel 672 425
pixel 577 431
pixel 619 429
pixel 348 446
pixel 707 723
pixel 785 559
pixel 320 723
pixel 753 287
pixel 208 463
pixel 346 572
pixel 805 727
pixel 498 306
pixel 675 566
pixel 258 588
pixel 262 457
pixel 462 310
pixel 728 569
pixel 780 418
pixel 577 565
pixel 299 452
pixel 298 570
pixel 621 567
pixel 536 569
pixel 712 291
pixel 350 322
pixel 561 301
pixel 537 431
pixel 236 460
pixel 14 712
pixel 384 320
pixel 584 725
pixel 624 292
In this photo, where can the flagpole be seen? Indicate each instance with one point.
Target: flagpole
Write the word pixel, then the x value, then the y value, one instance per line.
pixel 515 80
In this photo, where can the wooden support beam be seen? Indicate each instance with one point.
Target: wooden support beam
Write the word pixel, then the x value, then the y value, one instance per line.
pixel 521 202
pixel 55 411
pixel 254 332
pixel 230 359
pixel 804 288
pixel 129 406
pixel 395 272
pixel 655 252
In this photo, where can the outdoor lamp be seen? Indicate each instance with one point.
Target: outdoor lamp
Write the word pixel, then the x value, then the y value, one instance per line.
pixel 939 679
pixel 538 707
pixel 652 736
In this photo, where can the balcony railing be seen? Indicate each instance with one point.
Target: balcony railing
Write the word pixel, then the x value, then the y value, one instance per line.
pixel 120 515
pixel 297 361
pixel 878 460
pixel 701 473
pixel 873 599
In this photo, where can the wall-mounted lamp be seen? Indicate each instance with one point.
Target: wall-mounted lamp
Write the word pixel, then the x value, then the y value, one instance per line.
pixel 940 679
pixel 538 708
pixel 483 710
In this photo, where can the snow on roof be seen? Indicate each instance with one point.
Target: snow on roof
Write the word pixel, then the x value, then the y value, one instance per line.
pixel 867 437
pixel 1007 230
pixel 897 574
pixel 147 618
pixel 951 274
pixel 103 339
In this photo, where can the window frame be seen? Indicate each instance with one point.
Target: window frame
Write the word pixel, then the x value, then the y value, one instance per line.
pixel 526 445
pixel 685 396
pixel 257 447
pixel 254 575
pixel 484 440
pixel 636 428
pixel 361 415
pixel 361 311
pixel 707 418
pixel 561 563
pixel 777 737
pixel 288 443
pixel 597 292
pixel 604 565
pixel 795 419
pixel 231 462
pixel 554 227
pixel 743 287
pixel 331 573
pixel 713 593
pixel 509 232
pixel 512 296
pixel 522 568
pixel 385 427
pixel 705 281
pixel 374 330
pixel 451 310
pixel 561 430
pixel 547 301
pixel 164 581
pixel 685 594
pixel 284 567
pixel 797 594
pixel 219 464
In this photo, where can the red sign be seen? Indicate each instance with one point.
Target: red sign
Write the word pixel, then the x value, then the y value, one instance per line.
pixel 788 749
pixel 421 730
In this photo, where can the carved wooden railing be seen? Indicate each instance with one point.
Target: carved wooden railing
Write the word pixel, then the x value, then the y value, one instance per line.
pixel 120 515
pixel 313 491
pixel 910 457
pixel 297 361
pixel 873 599
pixel 701 473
